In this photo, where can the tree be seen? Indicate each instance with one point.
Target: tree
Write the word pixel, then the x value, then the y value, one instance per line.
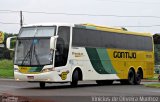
pixel 156 38
pixel 5 53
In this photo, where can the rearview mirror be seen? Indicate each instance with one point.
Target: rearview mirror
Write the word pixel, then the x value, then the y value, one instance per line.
pixel 11 42
pixel 53 42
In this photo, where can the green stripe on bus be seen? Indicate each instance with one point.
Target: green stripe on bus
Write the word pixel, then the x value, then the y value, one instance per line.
pixel 95 60
pixel 105 60
pixel 35 69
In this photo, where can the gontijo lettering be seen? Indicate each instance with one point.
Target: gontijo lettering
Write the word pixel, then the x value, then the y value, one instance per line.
pixel 119 54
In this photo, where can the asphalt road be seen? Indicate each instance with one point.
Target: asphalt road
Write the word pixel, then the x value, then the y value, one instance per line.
pixel 88 88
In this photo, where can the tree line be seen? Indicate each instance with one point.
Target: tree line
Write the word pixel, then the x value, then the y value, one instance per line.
pixel 4 52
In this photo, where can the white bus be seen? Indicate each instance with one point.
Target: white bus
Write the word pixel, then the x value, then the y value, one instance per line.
pixel 47 53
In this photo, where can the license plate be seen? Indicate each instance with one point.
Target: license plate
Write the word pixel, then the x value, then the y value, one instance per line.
pixel 30 77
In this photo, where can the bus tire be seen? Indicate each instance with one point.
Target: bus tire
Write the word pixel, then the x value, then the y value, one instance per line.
pixel 138 77
pixel 42 85
pixel 131 77
pixel 75 78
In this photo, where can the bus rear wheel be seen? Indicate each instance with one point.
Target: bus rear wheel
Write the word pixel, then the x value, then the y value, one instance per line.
pixel 138 77
pixel 131 77
pixel 42 85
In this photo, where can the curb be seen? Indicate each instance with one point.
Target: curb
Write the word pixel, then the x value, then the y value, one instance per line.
pixel 3 79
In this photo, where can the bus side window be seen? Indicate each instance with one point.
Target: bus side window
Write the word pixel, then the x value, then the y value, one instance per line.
pixel 59 60
pixel 62 46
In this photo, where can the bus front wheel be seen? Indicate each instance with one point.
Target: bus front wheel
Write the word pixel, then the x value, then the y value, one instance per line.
pixel 75 78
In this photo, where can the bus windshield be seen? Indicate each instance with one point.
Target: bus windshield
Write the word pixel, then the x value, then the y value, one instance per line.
pixel 37 31
pixel 33 46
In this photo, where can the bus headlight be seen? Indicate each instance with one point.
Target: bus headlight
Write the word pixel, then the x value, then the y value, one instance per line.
pixel 16 69
pixel 47 70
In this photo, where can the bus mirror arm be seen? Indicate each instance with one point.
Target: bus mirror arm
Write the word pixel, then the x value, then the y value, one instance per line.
pixel 53 42
pixel 8 42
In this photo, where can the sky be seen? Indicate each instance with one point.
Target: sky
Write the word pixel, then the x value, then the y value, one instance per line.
pixel 135 15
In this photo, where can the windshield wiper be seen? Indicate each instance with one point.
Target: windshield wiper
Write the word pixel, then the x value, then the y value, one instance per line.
pixel 36 56
pixel 32 52
pixel 29 54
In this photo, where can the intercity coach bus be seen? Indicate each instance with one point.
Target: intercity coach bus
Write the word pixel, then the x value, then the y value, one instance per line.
pixel 48 53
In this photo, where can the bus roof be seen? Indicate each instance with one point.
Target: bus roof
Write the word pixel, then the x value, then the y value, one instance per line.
pixel 48 24
pixel 112 29
pixel 91 26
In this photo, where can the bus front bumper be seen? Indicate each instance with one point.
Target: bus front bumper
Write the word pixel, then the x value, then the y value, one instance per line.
pixel 52 76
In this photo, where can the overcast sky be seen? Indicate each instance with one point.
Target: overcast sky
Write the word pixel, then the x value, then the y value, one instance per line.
pixel 93 7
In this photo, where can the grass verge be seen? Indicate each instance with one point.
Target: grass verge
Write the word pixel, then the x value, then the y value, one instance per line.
pixel 157 85
pixel 6 69
pixel 154 78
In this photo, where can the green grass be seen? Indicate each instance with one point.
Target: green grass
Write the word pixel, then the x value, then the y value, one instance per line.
pixel 6 69
pixel 154 78
pixel 157 85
